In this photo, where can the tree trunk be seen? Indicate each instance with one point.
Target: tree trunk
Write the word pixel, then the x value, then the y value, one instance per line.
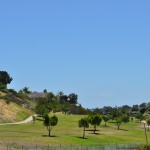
pixel 105 124
pixel 94 129
pixel 118 126
pixel 49 133
pixel 83 132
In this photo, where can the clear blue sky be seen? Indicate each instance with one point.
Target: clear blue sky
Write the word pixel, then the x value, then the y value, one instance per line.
pixel 97 49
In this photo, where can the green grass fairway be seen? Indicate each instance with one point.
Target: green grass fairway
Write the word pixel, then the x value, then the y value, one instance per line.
pixel 68 132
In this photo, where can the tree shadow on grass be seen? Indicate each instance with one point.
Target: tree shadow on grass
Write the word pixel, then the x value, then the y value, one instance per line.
pixel 21 131
pixel 92 130
pixel 124 129
pixel 81 137
pixel 105 126
pixel 95 133
pixel 49 136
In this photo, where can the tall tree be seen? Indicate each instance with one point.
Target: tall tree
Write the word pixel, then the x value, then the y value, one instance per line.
pixel 95 120
pixel 63 99
pixel 118 121
pixel 140 116
pixel 50 122
pixel 83 122
pixel 5 78
pixel 41 106
pixel 116 112
pixel 60 93
pixel 122 118
pixel 50 97
pixel 73 98
pixel 45 93
pixel 106 118
pixel 3 86
pixel 26 90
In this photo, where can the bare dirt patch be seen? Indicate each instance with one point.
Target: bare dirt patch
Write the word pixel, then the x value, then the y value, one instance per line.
pixel 8 112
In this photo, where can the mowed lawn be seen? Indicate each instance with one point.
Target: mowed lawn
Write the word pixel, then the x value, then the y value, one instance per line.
pixel 68 132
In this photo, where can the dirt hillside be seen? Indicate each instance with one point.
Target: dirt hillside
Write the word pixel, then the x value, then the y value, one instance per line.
pixel 11 111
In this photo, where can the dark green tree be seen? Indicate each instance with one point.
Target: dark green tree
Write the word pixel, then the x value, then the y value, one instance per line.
pixel 107 109
pixel 45 92
pixel 135 108
pixel 26 90
pixel 142 110
pixel 83 122
pixel 123 118
pixel 73 98
pixel 41 106
pixel 60 93
pixel 3 87
pixel 125 109
pixel 118 121
pixel 95 120
pixel 63 99
pixel 139 116
pixel 116 112
pixel 5 78
pixel 50 97
pixel 106 118
pixel 50 122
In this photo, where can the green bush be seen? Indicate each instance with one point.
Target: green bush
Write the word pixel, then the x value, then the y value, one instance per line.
pixel 7 102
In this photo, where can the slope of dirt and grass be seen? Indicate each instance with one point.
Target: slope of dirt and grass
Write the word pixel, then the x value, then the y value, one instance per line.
pixel 13 108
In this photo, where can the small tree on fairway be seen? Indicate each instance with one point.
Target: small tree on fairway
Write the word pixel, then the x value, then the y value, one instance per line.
pixel 125 118
pixel 95 120
pixel 83 123
pixel 139 116
pixel 120 119
pixel 50 122
pixel 106 119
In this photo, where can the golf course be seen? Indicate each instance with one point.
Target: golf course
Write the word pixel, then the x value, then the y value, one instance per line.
pixel 67 132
